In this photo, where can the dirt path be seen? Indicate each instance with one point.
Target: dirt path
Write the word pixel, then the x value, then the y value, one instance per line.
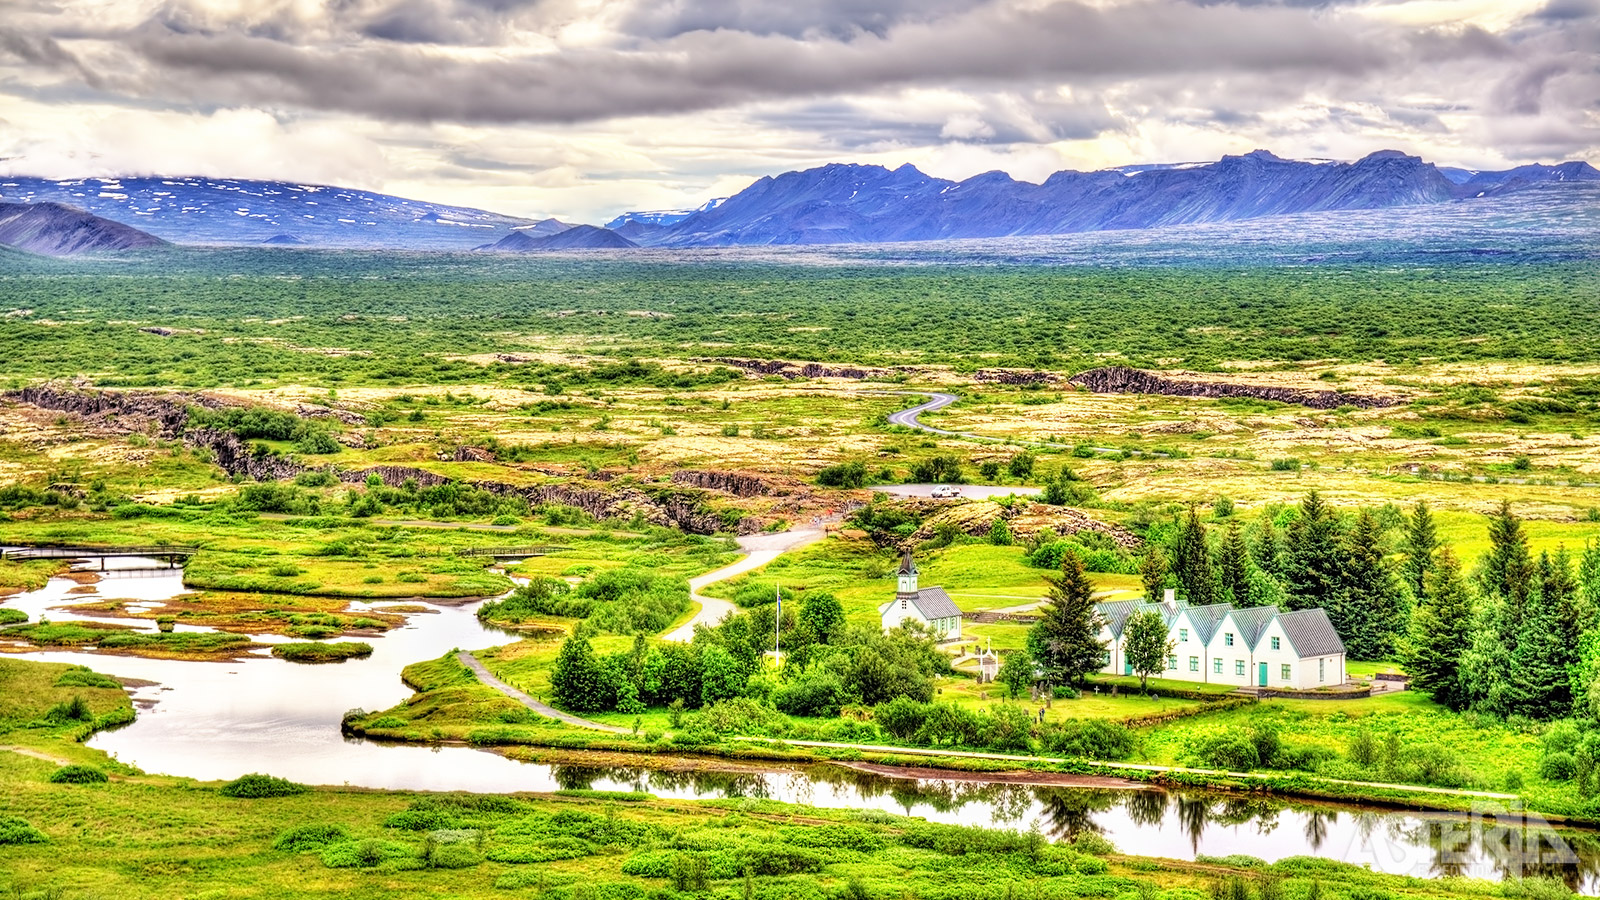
pixel 760 549
pixel 36 754
pixel 471 662
pixel 1129 767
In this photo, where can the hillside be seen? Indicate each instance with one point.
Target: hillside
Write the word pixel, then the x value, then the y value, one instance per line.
pixel 241 211
pixel 578 237
pixel 55 229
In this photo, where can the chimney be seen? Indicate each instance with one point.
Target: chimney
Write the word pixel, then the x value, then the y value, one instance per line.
pixel 1169 598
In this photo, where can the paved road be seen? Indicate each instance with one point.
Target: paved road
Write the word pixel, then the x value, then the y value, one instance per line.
pixel 760 549
pixel 907 418
pixel 471 662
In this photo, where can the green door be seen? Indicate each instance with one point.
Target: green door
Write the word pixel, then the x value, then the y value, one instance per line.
pixel 1127 667
pixel 1263 674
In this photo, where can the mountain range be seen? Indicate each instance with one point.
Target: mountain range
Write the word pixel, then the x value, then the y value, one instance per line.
pixel 832 204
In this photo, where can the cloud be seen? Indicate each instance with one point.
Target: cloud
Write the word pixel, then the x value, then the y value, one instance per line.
pixel 699 70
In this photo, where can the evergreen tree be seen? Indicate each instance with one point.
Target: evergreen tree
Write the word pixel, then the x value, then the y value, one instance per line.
pixel 1542 663
pixel 1313 566
pixel 1508 580
pixel 1441 633
pixel 1233 567
pixel 1368 614
pixel 1065 641
pixel 1268 548
pixel 1191 563
pixel 1153 573
pixel 1421 541
pixel 1146 645
pixel 1587 620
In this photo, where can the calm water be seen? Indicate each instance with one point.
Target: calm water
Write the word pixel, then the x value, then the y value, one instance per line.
pixel 219 720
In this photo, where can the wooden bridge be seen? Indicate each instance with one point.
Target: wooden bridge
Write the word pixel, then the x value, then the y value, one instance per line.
pixel 172 554
pixel 512 552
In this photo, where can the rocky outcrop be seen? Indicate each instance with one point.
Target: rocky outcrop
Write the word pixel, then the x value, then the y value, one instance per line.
pixel 739 484
pixel 1123 380
pixel 126 411
pixel 1025 520
pixel 239 459
pixel 807 370
pixel 1015 376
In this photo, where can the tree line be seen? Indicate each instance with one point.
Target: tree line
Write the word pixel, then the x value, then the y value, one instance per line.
pixel 1517 635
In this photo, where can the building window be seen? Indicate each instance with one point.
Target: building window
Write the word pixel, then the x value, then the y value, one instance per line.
pixel 1275 644
pixel 1194 663
pixel 1322 670
pixel 1105 657
pixel 1216 665
pixel 1183 635
pixel 1283 672
pixel 1228 639
pixel 1172 663
pixel 1238 667
pixel 902 606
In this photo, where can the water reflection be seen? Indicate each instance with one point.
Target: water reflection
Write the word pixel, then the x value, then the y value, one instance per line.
pixel 221 720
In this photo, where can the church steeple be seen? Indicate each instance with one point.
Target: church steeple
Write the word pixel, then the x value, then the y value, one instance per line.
pixel 907 575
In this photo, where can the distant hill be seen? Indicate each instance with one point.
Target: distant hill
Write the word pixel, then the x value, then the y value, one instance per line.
pixel 239 212
pixel 578 237
pixel 832 204
pixel 55 229
pixel 867 204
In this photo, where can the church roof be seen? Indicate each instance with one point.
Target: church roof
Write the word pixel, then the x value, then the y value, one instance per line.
pixel 908 566
pixel 932 603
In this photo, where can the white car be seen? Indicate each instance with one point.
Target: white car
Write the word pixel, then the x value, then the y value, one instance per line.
pixel 945 492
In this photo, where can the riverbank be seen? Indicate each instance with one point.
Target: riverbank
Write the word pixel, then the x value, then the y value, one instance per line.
pixel 96 828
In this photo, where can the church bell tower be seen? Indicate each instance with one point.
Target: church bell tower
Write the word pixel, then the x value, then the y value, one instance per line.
pixel 908 577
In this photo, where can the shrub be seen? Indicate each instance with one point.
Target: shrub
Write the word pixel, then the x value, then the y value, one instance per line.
pixel 816 693
pixel 901 717
pixel 1286 464
pixel 304 838
pixel 83 676
pixel 255 786
pixel 10 616
pixel 17 831
pixel 1231 749
pixel 363 854
pixel 1089 739
pixel 76 710
pixel 845 475
pixel 76 774
pixel 1558 767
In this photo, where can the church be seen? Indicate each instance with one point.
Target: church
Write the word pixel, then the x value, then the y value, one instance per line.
pixel 930 607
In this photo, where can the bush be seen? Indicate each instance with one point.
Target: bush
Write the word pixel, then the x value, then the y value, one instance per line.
pixel 364 854
pixel 304 838
pixel 10 616
pixel 76 774
pixel 843 475
pixel 1558 766
pixel 1089 739
pixel 1231 749
pixel 816 693
pixel 17 831
pixel 901 717
pixel 255 786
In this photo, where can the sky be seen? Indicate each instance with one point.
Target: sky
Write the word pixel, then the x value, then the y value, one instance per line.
pixel 587 108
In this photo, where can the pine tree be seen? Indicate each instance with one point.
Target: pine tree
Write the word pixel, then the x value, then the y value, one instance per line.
pixel 1233 567
pixel 1313 570
pixel 1191 563
pixel 578 681
pixel 1065 641
pixel 1268 548
pixel 1541 664
pixel 1153 573
pixel 1508 581
pixel 1421 541
pixel 1441 633
pixel 1368 614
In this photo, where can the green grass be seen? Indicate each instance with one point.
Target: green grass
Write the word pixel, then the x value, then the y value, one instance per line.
pixel 320 652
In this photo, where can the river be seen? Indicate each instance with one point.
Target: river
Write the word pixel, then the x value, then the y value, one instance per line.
pixel 219 720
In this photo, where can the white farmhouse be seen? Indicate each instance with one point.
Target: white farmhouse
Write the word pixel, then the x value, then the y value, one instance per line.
pixel 930 607
pixel 1260 647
